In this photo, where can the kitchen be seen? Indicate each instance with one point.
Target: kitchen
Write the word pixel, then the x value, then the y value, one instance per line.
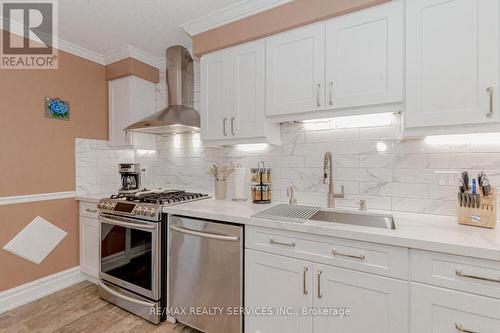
pixel 253 166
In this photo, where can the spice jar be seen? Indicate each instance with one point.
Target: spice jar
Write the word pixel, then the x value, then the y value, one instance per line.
pixel 261 191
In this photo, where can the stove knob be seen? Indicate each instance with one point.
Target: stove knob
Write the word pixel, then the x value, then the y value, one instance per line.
pixel 144 211
pixel 109 206
pixel 152 212
pixel 100 205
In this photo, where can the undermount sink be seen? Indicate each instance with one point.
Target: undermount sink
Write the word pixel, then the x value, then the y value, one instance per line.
pixel 355 218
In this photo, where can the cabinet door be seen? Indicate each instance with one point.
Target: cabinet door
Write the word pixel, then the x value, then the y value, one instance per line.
pixel 376 304
pixel 364 57
pixel 276 282
pixel 143 99
pixel 295 71
pixel 448 311
pixel 214 80
pixel 248 103
pixel 89 246
pixel 120 111
pixel 452 62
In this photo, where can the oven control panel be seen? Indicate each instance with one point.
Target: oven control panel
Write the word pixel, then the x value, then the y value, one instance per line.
pixel 125 208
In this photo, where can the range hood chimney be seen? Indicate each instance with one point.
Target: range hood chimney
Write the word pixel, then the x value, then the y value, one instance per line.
pixel 179 116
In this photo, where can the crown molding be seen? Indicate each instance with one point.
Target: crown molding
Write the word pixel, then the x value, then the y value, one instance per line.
pixel 132 52
pixel 230 14
pixel 102 59
pixel 61 44
pixel 81 52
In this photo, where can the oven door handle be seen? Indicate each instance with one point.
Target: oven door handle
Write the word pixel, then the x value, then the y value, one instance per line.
pixel 203 234
pixel 127 224
pixel 127 298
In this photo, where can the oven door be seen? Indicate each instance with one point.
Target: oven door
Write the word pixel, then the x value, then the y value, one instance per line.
pixel 129 254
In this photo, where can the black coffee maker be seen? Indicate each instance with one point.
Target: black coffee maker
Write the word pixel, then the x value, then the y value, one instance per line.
pixel 130 178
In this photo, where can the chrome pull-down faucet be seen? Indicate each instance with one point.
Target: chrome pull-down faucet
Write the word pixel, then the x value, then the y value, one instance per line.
pixel 328 179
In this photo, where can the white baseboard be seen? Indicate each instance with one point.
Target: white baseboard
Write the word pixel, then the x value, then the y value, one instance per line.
pixel 34 290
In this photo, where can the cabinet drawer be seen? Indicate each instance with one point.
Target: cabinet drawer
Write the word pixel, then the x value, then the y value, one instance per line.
pixel 363 256
pixel 88 209
pixel 441 310
pixel 456 272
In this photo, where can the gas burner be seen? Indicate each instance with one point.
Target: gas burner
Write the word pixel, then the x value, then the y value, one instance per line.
pixel 164 197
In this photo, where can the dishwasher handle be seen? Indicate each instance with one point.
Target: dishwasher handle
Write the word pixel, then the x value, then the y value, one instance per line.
pixel 203 234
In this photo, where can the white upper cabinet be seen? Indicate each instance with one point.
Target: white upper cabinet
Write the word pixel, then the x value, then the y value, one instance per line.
pixel 364 57
pixel 130 100
pixel 233 96
pixel 351 64
pixel 214 67
pixel 249 98
pixel 296 71
pixel 452 64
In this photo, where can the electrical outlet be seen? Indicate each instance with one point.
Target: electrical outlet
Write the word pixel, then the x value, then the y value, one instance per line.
pixel 446 177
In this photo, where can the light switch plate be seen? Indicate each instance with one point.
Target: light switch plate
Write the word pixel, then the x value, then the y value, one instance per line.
pixel 446 177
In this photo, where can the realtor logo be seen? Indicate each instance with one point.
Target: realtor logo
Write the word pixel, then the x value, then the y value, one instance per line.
pixel 29 34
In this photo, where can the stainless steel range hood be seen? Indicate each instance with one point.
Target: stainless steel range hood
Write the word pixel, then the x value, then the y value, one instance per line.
pixel 179 116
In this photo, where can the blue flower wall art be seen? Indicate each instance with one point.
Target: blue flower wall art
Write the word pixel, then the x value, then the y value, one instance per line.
pixel 56 108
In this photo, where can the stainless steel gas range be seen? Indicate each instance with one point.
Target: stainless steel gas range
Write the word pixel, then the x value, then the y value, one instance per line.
pixel 133 250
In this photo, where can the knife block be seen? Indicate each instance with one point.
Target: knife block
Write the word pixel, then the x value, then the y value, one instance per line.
pixel 485 216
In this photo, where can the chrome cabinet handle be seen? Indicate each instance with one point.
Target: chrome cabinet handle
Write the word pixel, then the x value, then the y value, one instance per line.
pixel 224 121
pixel 319 283
pixel 458 272
pixel 304 287
pixel 490 92
pixel 91 210
pixel 232 126
pixel 460 328
pixel 330 93
pixel 272 241
pixel 318 103
pixel 360 257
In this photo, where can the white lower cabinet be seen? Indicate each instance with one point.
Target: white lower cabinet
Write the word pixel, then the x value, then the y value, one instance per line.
pixel 442 310
pixel 356 302
pixel 276 282
pixel 89 242
pixel 376 304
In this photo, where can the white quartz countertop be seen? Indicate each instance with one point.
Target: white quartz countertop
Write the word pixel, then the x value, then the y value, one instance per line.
pixel 417 231
pixel 92 197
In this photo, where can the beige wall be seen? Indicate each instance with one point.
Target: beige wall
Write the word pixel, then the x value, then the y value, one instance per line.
pixel 285 17
pixel 13 218
pixel 37 155
pixel 131 66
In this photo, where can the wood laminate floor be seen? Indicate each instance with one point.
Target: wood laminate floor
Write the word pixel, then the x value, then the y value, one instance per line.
pixel 78 309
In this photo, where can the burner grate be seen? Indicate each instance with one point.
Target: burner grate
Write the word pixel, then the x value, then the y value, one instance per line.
pixel 161 198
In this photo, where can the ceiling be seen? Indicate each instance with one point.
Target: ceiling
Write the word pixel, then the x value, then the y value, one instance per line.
pixel 104 26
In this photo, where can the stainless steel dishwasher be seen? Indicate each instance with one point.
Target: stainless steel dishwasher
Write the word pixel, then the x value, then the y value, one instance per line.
pixel 206 274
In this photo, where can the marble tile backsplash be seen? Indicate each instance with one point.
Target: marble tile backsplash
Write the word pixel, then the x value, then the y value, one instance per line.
pixel 372 163
pixel 97 166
